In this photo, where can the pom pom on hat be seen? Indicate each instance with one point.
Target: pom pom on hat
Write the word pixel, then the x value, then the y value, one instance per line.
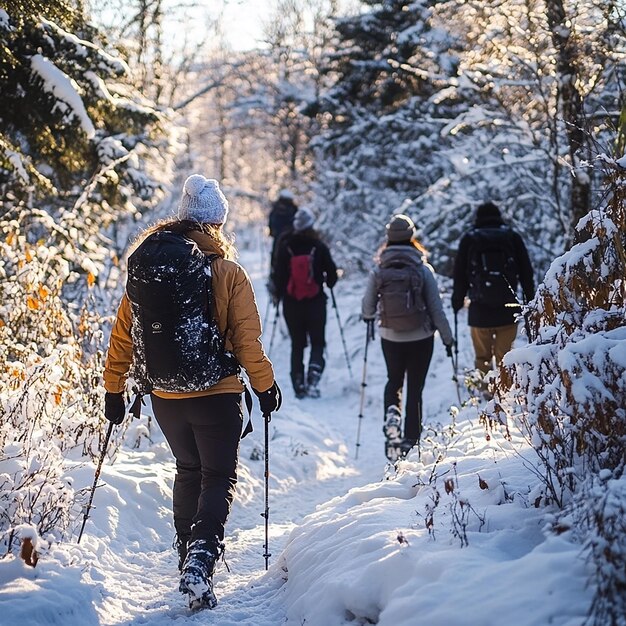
pixel 400 228
pixel 303 219
pixel 202 201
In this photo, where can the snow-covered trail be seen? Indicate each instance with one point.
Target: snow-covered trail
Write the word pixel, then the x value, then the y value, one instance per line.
pixel 312 460
pixel 359 548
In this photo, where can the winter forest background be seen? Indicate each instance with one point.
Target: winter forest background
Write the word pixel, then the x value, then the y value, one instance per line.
pixel 361 109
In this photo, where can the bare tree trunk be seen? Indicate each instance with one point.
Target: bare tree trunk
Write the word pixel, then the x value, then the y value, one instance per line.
pixel 571 105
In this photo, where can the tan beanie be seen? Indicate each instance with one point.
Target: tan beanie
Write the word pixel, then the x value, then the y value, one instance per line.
pixel 400 228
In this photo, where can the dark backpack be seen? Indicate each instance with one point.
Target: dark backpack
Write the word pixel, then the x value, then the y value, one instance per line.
pixel 302 284
pixel 400 285
pixel 177 344
pixel 492 268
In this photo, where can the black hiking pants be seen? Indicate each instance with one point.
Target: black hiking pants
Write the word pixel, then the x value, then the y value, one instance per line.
pixel 410 359
pixel 306 322
pixel 203 433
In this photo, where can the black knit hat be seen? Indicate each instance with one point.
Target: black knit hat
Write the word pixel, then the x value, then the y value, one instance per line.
pixel 488 210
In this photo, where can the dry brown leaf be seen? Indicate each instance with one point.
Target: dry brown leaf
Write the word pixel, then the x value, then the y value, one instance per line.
pixel 32 303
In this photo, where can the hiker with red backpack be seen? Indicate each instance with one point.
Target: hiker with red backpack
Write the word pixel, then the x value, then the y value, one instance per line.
pixel 303 265
pixel 402 292
pixel 491 262
pixel 186 324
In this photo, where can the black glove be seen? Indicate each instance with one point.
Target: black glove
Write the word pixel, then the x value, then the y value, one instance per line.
pixel 114 409
pixel 449 349
pixel 269 400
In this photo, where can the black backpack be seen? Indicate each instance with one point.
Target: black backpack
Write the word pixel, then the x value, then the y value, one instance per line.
pixel 177 345
pixel 400 285
pixel 492 269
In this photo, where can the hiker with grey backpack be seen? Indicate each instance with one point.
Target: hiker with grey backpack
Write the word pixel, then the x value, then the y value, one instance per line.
pixel 402 293
pixel 187 323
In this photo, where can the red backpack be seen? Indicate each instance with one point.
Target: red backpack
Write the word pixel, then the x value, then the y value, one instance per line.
pixel 302 282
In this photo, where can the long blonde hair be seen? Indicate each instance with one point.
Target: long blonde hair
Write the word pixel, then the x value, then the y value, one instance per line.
pixel 223 242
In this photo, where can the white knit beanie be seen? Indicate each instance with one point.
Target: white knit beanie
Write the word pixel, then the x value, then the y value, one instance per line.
pixel 303 219
pixel 202 201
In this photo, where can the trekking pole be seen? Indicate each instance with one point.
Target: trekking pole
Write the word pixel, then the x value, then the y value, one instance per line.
pixel 343 341
pixel 95 481
pixel 266 514
pixel 455 358
pixel 369 334
pixel 269 349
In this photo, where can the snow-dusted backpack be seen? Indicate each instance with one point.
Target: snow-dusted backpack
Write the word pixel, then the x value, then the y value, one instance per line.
pixel 400 285
pixel 177 345
pixel 302 284
pixel 492 269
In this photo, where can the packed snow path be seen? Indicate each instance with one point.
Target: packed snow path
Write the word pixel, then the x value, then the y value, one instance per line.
pixel 312 460
pixel 356 546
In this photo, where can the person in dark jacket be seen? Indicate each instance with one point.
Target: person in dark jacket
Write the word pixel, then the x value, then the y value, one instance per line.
pixel 493 322
pixel 202 425
pixel 407 352
pixel 280 224
pixel 304 306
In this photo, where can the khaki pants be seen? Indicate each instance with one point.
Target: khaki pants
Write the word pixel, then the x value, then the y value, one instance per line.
pixel 490 343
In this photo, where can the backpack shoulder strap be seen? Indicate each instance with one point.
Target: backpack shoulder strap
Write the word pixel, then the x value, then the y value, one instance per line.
pixel 208 284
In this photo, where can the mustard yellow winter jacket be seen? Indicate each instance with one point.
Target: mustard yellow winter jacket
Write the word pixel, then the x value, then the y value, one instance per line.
pixel 238 319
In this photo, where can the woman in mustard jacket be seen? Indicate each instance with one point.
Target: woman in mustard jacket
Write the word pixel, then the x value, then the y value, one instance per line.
pixel 202 422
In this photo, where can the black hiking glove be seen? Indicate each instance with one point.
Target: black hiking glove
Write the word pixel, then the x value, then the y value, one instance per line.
pixel 114 408
pixel 449 349
pixel 269 400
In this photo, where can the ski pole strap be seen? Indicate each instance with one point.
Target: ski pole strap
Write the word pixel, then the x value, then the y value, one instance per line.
pixel 135 407
pixel 248 400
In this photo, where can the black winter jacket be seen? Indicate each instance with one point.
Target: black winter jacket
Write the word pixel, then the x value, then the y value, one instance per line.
pixel 302 242
pixel 480 315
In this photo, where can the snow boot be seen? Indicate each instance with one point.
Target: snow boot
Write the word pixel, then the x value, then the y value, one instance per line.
pixel 181 542
pixel 392 429
pixel 313 381
pixel 299 388
pixel 197 576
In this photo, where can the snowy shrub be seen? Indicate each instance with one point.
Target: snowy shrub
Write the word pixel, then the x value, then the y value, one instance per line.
pixel 566 392
pixel 567 389
pixel 34 490
pixel 600 517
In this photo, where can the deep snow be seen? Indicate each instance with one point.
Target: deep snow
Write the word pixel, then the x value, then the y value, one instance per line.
pixel 348 538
